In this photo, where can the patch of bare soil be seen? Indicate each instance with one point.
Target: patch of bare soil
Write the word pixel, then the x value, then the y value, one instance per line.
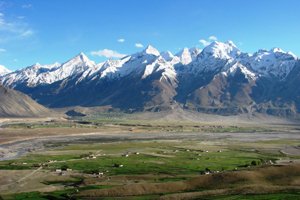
pixel 15 181
pixel 291 150
pixel 268 179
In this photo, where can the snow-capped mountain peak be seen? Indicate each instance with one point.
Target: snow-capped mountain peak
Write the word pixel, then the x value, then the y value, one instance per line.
pixel 167 55
pixel 221 50
pixel 150 50
pixel 81 58
pixel 274 62
pixel 184 56
pixel 277 50
pixel 238 66
pixel 4 70
pixel 187 55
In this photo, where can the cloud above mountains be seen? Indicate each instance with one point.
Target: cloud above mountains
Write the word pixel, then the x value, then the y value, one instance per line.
pixel 108 53
pixel 210 39
pixel 139 45
pixel 13 29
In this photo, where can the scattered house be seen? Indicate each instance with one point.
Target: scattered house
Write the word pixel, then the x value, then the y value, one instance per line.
pixel 187 150
pixel 206 173
pixel 62 173
pixel 136 153
pixel 92 156
pixel 206 151
pixel 58 170
pixel 219 151
pixel 125 155
pixel 100 174
pixel 175 151
pixel 69 170
pixel 199 154
pixel 118 165
pixel 24 163
pixel 270 162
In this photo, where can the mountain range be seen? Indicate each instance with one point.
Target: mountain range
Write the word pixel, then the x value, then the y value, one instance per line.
pixel 219 79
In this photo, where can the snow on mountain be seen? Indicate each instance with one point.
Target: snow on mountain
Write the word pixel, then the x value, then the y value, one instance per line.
pixel 216 57
pixel 47 74
pixel 274 62
pixel 238 66
pixel 220 50
pixel 160 64
pixel 4 70
pixel 150 50
pixel 30 75
pixel 110 68
pixel 75 66
pixel 167 55
pixel 186 55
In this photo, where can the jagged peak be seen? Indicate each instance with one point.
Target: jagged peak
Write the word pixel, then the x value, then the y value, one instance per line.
pixel 187 55
pixel 292 54
pixel 274 51
pixel 4 70
pixel 150 50
pixel 185 50
pixel 222 50
pixel 80 58
pixel 231 43
pixel 277 50
pixel 248 74
pixel 167 55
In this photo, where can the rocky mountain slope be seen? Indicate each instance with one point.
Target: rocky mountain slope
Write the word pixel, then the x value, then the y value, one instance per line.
pixel 219 79
pixel 17 104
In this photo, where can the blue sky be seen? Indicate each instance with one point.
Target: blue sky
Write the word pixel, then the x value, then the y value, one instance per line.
pixel 47 31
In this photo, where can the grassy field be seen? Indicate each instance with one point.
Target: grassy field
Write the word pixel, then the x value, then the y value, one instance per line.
pixel 134 162
pixel 142 157
pixel 206 164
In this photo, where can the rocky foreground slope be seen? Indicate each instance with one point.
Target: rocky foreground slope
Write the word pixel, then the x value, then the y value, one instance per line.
pixel 16 104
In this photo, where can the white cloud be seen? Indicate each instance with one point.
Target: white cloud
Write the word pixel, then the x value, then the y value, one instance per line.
pixel 121 40
pixel 213 38
pixel 107 53
pixel 139 45
pixel 210 39
pixel 2 50
pixel 13 29
pixel 26 33
pixel 21 17
pixel 204 42
pixel 26 6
